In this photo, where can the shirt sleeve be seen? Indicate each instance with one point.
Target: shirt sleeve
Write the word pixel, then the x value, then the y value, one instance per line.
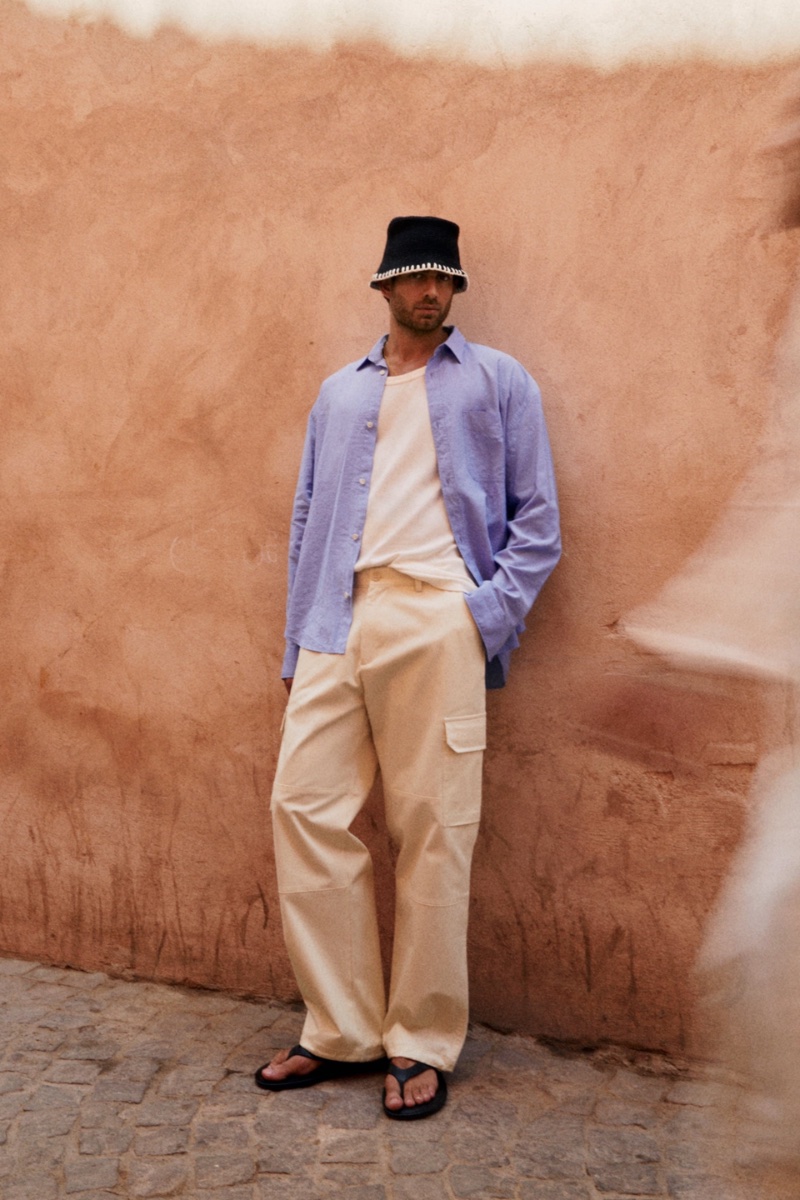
pixel 302 503
pixel 533 542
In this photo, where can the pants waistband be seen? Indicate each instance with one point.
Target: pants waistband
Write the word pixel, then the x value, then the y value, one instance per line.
pixel 387 576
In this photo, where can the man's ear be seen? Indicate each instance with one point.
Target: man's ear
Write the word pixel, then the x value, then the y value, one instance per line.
pixel 386 289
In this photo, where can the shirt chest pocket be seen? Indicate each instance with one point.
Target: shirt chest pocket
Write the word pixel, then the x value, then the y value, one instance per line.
pixel 486 423
pixel 484 444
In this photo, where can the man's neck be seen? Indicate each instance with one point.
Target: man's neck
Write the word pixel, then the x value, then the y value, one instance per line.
pixel 407 350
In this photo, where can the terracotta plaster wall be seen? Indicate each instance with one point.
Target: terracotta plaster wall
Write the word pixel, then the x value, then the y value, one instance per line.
pixel 186 231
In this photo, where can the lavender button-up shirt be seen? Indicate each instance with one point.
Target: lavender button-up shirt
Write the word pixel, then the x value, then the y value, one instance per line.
pixel 497 482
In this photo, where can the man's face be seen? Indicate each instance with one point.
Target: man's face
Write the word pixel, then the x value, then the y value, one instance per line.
pixel 420 300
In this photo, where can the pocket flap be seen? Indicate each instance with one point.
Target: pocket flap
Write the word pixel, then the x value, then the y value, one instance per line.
pixel 464 734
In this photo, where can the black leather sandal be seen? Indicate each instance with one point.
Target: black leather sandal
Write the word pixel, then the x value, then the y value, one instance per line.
pixel 328 1068
pixel 413 1112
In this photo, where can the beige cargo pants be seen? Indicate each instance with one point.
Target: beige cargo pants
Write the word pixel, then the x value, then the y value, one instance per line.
pixel 407 696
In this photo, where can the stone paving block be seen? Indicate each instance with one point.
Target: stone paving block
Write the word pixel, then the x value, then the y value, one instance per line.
pixel 538 1189
pixel 50 1095
pixel 16 966
pixel 517 1054
pixel 482 1110
pixel 420 1188
pixel 49 974
pixel 43 1040
pixel 246 1060
pixel 156 1049
pixel 104 1141
pixel 139 1069
pixel 693 1156
pixel 232 1104
pixel 696 1092
pixel 571 1098
pixel 11 1105
pixel 280 1155
pixel 581 1071
pixel 370 1191
pixel 96 1116
pixel 43 1187
pixel 238 1083
pixel 49 993
pixel 166 1112
pixel 223 1170
pixel 296 1187
pixel 709 1187
pixel 551 1147
pixel 422 1158
pixel 231 1133
pixel 85 1174
pixel 22 1015
pixel 352 1175
pixel 480 1183
pixel 275 1121
pixel 162 1141
pixel 238 1193
pixel 48 1123
pixel 689 1122
pixel 648 1089
pixel 119 1090
pixel 83 980
pixel 82 1005
pixel 92 1195
pixel 471 1145
pixel 355 1109
pixel 32 1158
pixel 289 1022
pixel 249 1015
pixel 157 1177
pixel 337 1147
pixel 611 1111
pixel 92 1050
pixel 623 1161
pixel 70 1072
pixel 308 1100
pixel 12 1081
pixel 199 1080
pixel 4 1134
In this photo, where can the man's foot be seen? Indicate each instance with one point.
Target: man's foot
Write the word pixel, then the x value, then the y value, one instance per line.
pixel 288 1064
pixel 299 1068
pixel 413 1089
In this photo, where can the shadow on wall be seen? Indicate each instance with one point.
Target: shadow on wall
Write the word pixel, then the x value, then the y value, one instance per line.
pixel 186 234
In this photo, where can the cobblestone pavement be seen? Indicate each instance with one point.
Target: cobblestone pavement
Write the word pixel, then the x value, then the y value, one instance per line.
pixel 116 1089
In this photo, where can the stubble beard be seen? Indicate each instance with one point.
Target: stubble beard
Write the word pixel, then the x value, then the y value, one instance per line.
pixel 419 322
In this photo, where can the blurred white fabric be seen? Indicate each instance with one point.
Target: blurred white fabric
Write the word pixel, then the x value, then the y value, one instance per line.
pixel 736 608
pixel 736 605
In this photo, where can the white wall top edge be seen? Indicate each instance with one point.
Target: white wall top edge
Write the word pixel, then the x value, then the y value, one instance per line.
pixel 605 33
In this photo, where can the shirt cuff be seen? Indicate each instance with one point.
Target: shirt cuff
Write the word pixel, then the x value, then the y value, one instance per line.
pixel 489 616
pixel 290 660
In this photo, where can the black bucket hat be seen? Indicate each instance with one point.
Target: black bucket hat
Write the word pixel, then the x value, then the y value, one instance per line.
pixel 421 244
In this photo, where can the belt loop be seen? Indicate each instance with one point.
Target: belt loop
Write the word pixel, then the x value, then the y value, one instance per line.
pixel 417 585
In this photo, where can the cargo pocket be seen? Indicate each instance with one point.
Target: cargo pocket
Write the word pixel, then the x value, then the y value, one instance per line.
pixel 463 768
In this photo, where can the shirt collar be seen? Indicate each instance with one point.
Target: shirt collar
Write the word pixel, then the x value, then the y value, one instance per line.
pixel 456 344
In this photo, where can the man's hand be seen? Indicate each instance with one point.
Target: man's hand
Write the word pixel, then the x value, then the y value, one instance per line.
pixel 288 683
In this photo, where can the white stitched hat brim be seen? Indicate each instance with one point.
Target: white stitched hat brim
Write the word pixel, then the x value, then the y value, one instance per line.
pixel 379 276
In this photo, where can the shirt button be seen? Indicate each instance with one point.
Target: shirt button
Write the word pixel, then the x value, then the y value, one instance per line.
pixel 347 595
pixel 362 481
pixel 370 424
pixel 383 370
pixel 355 537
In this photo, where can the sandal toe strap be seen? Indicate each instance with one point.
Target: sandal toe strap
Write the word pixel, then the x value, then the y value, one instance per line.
pixel 403 1074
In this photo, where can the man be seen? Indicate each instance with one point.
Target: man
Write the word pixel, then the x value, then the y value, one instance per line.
pixel 425 523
